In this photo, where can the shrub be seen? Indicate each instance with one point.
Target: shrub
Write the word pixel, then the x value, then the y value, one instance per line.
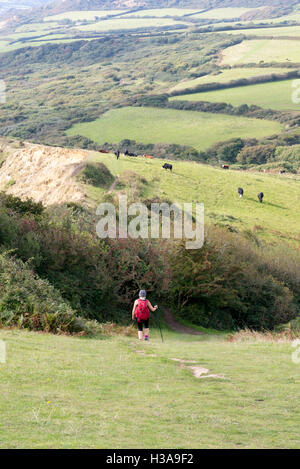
pixel 258 154
pixel 97 175
pixel 228 284
pixel 26 301
pixel 21 206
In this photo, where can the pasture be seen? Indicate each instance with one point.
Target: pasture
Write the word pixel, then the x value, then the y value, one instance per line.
pixel 227 75
pixel 286 31
pixel 224 13
pixel 113 392
pixel 82 15
pixel 262 50
pixel 154 125
pixel 276 219
pixel 128 23
pixel 162 12
pixel 273 95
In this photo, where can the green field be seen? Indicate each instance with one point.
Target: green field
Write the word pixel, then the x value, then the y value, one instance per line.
pixel 82 15
pixel 36 27
pixel 224 13
pixel 161 12
pixel 225 76
pixel 128 23
pixel 274 95
pixel 152 125
pixel 292 31
pixel 262 50
pixel 89 393
pixel 277 217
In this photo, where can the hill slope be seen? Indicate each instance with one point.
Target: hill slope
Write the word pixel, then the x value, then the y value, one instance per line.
pixel 45 174
pixel 50 175
pixel 279 6
pixel 75 393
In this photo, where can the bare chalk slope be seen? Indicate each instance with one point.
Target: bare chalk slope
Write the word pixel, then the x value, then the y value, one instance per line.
pixel 44 174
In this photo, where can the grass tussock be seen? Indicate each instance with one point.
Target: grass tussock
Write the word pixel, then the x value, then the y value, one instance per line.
pixel 113 329
pixel 248 335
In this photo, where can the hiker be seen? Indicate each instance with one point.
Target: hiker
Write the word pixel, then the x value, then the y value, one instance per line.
pixel 141 313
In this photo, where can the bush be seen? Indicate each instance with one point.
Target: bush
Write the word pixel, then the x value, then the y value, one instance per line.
pixel 21 206
pixel 28 302
pixel 97 175
pixel 229 284
pixel 258 154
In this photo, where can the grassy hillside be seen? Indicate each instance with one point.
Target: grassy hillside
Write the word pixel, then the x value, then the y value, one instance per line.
pixel 79 393
pixel 266 50
pixel 287 31
pixel 223 13
pixel 227 75
pixel 151 125
pixel 277 218
pixel 276 95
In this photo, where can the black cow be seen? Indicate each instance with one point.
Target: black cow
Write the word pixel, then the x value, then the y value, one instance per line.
pixel 241 191
pixel 168 166
pixel 225 166
pixel 128 153
pixel 282 171
pixel 260 197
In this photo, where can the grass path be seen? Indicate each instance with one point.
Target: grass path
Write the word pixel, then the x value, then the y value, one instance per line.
pixel 68 392
pixel 177 327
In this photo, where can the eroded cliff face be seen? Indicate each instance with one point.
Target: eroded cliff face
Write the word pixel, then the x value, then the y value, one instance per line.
pixel 44 174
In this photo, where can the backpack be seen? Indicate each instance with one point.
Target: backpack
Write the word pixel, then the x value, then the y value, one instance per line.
pixel 142 311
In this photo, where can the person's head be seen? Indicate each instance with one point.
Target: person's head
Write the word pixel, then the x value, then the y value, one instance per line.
pixel 142 295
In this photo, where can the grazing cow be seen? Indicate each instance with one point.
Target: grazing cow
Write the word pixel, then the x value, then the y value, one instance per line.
pixel 225 166
pixel 103 151
pixel 167 166
pixel 149 157
pixel 127 153
pixel 241 191
pixel 260 197
pixel 282 171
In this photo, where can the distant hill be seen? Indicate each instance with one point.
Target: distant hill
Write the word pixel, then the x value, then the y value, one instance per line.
pixel 68 5
pixel 12 7
pixel 18 10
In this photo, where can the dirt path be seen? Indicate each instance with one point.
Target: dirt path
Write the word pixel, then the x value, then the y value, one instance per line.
pixel 176 326
pixel 112 187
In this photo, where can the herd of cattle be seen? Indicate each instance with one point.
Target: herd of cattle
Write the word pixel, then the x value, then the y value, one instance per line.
pixel 168 166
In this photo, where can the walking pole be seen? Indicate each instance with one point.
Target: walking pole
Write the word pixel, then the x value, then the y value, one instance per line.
pixel 158 322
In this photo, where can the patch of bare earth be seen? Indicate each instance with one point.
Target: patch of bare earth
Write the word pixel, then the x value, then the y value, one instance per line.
pixel 176 326
pixel 44 174
pixel 198 371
